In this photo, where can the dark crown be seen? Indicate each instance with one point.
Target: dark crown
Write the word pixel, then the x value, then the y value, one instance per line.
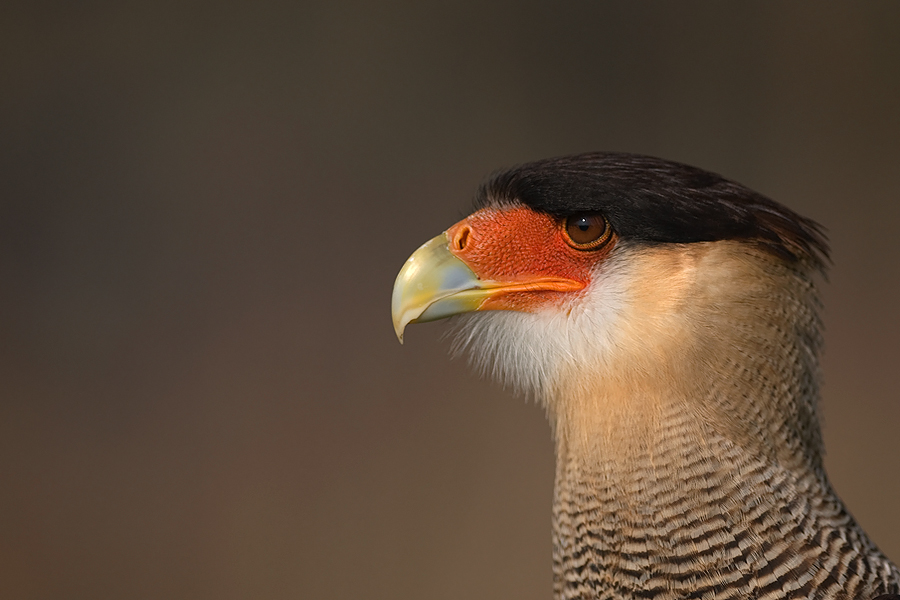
pixel 652 200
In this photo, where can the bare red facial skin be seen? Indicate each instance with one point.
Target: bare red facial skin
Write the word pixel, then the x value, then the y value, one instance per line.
pixel 527 252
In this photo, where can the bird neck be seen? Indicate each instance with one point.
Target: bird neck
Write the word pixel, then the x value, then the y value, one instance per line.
pixel 714 339
pixel 698 516
pixel 689 463
pixel 688 521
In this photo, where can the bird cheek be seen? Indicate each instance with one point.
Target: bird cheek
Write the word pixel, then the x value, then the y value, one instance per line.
pixel 521 251
pixel 510 245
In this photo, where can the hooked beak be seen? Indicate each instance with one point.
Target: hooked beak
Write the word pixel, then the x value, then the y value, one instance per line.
pixel 434 284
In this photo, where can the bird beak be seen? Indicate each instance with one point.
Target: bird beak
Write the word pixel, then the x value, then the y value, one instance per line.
pixel 434 284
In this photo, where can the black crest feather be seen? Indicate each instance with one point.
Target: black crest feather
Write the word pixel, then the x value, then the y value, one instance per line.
pixel 652 200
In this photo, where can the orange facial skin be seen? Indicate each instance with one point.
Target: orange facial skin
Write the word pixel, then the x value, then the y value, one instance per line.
pixel 526 253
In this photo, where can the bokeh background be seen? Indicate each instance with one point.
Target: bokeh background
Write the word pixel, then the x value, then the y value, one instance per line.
pixel 203 206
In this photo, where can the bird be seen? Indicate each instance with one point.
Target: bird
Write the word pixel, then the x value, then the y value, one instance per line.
pixel 669 321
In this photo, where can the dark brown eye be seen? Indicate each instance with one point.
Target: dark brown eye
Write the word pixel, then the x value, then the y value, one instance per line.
pixel 586 232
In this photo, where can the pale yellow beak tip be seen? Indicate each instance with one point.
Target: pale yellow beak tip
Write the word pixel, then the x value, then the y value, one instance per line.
pixel 431 286
pixel 398 329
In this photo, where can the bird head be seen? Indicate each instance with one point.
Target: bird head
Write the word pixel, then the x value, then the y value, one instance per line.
pixel 619 288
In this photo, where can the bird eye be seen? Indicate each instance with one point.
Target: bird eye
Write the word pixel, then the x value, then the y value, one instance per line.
pixel 586 232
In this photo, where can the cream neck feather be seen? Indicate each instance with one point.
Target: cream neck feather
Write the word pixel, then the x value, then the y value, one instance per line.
pixel 720 331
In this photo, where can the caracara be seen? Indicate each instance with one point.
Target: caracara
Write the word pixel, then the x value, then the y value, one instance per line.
pixel 669 320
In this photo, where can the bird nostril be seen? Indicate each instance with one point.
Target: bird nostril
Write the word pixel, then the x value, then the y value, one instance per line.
pixel 462 238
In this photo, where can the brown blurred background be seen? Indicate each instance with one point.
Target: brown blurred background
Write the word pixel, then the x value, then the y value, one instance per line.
pixel 202 210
